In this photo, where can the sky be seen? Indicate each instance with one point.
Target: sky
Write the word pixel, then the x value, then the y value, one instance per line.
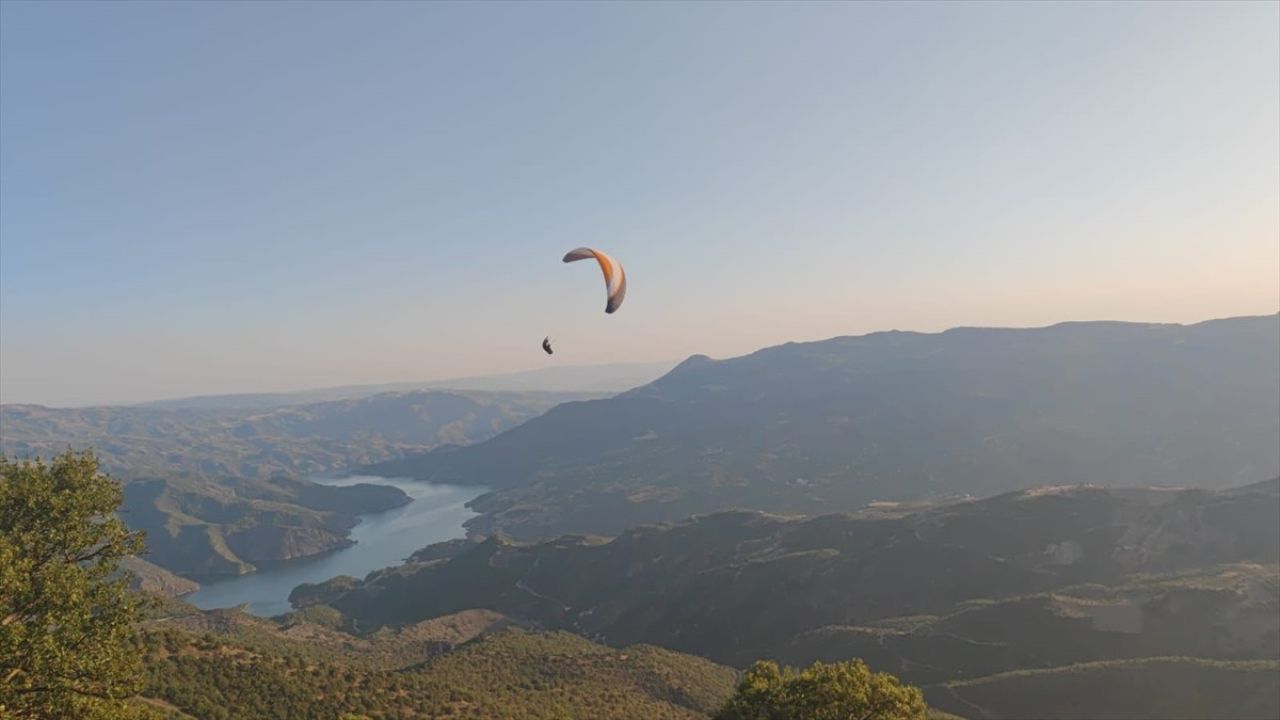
pixel 205 198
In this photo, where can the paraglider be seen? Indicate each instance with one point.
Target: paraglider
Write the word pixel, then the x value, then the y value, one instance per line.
pixel 615 280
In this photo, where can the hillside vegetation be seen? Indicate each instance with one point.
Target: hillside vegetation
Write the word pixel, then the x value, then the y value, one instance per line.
pixel 832 425
pixel 509 674
pixel 1167 688
pixel 1227 612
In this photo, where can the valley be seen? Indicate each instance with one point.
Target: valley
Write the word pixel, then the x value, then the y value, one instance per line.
pixel 221 485
pixel 435 513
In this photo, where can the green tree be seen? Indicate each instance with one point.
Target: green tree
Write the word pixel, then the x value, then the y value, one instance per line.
pixel 66 614
pixel 837 691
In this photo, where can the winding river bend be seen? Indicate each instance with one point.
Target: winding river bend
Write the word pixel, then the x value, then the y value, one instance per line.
pixel 436 513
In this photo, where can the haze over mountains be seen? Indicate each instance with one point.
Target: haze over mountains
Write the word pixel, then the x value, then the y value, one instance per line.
pixel 295 439
pixel 830 425
pixel 602 379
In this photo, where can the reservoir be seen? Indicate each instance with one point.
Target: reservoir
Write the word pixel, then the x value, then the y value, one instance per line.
pixel 435 514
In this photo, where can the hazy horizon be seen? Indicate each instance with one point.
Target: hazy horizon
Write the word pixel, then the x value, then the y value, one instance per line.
pixel 235 198
pixel 427 383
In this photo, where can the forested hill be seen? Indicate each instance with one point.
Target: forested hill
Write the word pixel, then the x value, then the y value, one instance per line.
pixel 999 608
pixel 473 665
pixel 832 425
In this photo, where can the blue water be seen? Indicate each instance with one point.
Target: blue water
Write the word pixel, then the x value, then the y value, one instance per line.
pixel 382 539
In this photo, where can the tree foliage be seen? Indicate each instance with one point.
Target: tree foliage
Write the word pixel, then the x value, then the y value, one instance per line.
pixel 66 615
pixel 837 691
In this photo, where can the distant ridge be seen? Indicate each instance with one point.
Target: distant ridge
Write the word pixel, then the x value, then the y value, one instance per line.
pixel 294 438
pixel 599 379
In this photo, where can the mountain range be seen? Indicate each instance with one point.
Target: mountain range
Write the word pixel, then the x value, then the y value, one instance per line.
pixel 596 379
pixel 895 416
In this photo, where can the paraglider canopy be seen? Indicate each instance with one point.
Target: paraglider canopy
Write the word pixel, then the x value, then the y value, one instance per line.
pixel 615 280
pixel 546 345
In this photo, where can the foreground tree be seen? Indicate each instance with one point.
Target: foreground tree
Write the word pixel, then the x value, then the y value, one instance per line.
pixel 66 614
pixel 839 691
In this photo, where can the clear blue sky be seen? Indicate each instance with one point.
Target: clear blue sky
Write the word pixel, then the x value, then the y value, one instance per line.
pixel 200 197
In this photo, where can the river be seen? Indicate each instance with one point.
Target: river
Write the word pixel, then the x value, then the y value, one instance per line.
pixel 436 513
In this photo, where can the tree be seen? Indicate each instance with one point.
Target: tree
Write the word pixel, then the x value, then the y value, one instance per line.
pixel 66 614
pixel 838 691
